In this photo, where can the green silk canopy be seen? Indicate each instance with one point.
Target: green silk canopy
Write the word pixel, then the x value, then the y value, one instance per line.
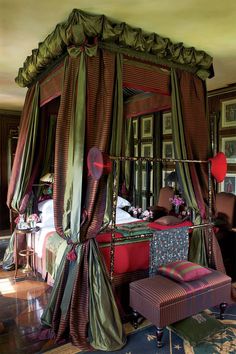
pixel 117 36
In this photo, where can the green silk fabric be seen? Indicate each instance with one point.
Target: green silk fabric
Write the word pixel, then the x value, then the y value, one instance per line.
pixel 105 325
pixel 118 37
pixel 116 138
pixel 197 251
pixel 179 143
pixel 74 176
pixel 75 164
pixel 27 159
pixel 104 321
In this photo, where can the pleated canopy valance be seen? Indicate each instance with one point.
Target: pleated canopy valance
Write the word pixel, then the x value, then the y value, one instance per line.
pixel 115 36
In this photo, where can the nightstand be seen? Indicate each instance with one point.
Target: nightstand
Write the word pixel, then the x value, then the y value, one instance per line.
pixel 29 252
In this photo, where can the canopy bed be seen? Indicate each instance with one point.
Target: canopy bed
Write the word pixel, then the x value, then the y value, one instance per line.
pixel 86 63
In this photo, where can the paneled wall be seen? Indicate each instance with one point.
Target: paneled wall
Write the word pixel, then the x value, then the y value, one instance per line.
pixel 222 110
pixel 9 123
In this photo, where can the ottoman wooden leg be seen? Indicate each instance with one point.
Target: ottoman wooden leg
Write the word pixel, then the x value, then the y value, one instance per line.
pixel 223 307
pixel 159 333
pixel 135 319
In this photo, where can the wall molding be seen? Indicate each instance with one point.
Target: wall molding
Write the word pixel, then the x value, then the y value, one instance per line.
pixel 223 90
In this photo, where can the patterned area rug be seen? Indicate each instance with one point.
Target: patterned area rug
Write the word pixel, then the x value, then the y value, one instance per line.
pixel 144 340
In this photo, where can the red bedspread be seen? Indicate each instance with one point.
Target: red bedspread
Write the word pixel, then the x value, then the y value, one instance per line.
pixel 128 257
pixel 132 256
pixel 154 225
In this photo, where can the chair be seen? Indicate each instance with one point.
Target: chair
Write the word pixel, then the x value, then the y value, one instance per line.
pixel 226 221
pixel 164 205
pixel 225 210
pixel 164 198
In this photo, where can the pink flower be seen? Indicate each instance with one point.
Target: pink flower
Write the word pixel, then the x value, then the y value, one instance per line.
pixel 33 217
pixel 177 200
pixel 146 213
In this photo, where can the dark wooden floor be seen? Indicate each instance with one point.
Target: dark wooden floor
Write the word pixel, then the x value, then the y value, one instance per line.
pixel 21 305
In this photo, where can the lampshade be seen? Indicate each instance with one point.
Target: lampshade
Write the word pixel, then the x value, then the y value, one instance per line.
pixel 98 163
pixel 219 166
pixel 48 178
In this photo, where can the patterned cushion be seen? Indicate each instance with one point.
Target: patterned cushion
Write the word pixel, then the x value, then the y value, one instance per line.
pixel 168 220
pixel 183 271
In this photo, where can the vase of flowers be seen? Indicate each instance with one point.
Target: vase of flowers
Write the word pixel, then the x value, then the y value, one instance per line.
pixel 177 201
pixel 32 220
pixel 20 220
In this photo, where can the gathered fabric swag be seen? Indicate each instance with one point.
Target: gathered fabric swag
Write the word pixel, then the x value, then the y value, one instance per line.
pixel 117 36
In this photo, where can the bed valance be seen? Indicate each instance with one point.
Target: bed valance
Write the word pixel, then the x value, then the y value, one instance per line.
pixel 115 36
pixel 146 103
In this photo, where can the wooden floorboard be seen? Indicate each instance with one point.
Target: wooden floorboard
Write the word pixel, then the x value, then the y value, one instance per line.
pixel 21 306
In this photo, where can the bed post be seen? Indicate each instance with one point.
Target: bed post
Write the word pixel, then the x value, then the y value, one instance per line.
pixel 209 212
pixel 113 218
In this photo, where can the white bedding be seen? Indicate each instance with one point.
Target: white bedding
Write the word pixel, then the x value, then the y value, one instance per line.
pixel 40 238
pixel 47 226
pixel 126 220
pixel 44 230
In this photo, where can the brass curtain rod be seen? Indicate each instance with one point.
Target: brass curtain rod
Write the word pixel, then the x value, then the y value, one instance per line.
pixel 41 184
pixel 149 236
pixel 155 159
pixel 202 225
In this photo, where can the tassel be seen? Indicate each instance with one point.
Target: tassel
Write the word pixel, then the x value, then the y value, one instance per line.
pixel 71 255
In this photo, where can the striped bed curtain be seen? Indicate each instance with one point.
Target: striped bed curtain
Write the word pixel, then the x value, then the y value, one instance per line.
pixel 25 166
pixel 82 297
pixel 192 141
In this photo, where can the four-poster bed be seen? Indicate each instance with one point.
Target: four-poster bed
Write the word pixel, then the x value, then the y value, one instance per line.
pixel 87 61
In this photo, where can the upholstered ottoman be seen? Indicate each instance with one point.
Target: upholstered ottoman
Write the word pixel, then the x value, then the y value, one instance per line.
pixel 164 301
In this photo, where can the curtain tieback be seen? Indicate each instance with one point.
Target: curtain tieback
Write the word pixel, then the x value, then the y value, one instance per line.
pixel 72 255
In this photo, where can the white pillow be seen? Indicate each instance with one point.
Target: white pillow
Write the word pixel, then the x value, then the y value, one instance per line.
pixel 121 215
pixel 46 206
pixel 47 213
pixel 121 202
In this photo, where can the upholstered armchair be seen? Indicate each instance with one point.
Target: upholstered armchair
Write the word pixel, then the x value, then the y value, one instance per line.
pixel 164 204
pixel 166 193
pixel 225 208
pixel 226 235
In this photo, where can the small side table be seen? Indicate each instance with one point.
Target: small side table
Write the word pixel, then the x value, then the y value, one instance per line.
pixel 28 252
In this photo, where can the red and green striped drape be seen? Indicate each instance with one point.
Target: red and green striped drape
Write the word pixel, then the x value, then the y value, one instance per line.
pixel 191 136
pixel 82 297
